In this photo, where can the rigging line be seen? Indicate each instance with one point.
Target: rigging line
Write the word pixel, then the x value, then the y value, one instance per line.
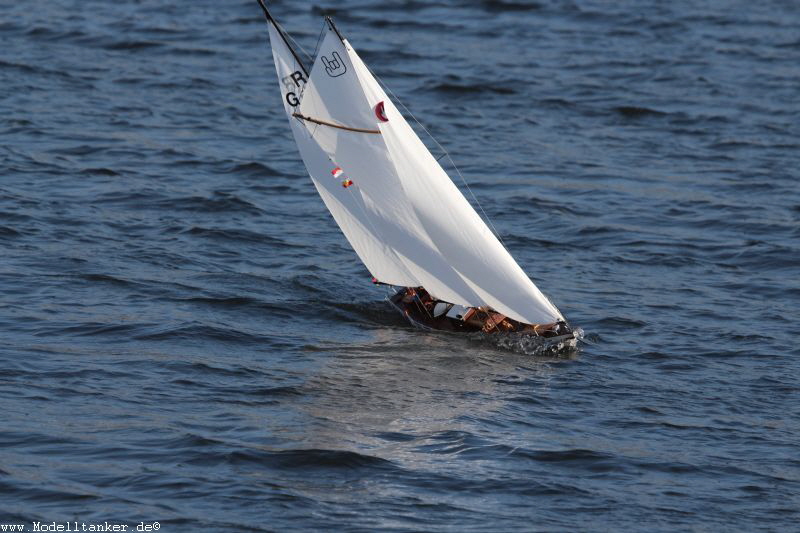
pixel 464 181
pixel 311 133
pixel 493 321
pixel 298 45
pixel 308 129
pixel 319 39
pixel 418 302
pixel 388 290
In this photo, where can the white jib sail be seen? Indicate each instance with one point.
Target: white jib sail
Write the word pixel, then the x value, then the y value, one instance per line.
pixel 406 201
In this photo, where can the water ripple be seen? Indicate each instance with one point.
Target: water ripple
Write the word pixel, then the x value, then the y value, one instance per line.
pixel 188 338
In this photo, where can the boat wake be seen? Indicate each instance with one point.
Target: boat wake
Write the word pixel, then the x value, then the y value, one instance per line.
pixel 525 344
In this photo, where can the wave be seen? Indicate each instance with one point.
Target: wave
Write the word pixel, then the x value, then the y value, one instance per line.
pixel 219 202
pixel 292 459
pixel 638 112
pixel 204 331
pixel 466 88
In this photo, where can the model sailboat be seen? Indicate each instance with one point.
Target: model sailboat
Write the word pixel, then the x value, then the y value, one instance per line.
pixel 404 217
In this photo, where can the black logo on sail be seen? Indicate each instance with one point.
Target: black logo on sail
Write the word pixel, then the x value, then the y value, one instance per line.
pixel 334 67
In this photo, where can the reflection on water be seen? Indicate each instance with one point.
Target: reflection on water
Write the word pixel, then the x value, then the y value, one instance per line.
pixel 382 395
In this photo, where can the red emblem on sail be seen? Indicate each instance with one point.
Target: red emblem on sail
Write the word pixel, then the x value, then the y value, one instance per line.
pixel 346 183
pixel 380 112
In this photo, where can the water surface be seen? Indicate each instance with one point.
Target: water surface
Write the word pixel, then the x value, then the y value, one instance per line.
pixel 187 337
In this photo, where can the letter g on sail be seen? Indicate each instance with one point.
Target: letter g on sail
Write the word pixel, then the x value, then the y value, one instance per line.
pixel 292 100
pixel 335 66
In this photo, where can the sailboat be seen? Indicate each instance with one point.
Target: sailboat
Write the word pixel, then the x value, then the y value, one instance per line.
pixel 400 211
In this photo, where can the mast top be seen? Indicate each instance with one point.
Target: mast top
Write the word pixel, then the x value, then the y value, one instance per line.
pixel 283 35
pixel 266 11
pixel 329 20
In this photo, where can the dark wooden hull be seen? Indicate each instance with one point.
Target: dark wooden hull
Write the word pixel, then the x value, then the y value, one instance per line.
pixel 419 315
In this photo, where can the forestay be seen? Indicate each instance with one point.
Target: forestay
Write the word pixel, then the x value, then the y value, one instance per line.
pixel 403 215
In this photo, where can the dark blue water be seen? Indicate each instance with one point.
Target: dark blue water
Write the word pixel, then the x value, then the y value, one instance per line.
pixel 187 338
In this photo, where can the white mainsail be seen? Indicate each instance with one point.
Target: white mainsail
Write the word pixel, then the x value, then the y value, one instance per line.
pixel 403 215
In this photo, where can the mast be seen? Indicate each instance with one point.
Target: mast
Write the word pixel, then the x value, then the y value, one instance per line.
pixel 329 20
pixel 284 35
